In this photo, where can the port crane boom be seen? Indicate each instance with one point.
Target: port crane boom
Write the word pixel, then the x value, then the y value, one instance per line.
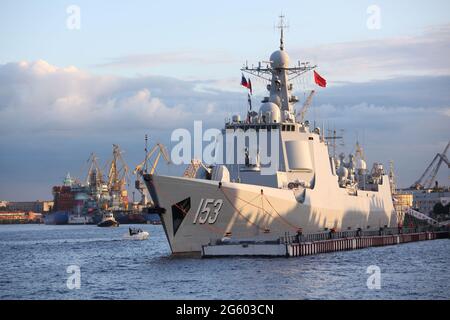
pixel 141 168
pixel 117 175
pixel 432 170
pixel 95 175
pixel 302 112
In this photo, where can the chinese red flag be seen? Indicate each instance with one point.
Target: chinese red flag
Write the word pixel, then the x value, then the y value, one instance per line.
pixel 321 82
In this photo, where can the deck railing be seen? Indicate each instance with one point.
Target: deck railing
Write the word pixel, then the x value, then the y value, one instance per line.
pixel 330 234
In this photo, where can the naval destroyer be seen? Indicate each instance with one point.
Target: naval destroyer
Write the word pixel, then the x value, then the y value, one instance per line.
pixel 311 189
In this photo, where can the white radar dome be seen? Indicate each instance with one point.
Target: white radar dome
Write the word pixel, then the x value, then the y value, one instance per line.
pixel 279 59
pixel 272 110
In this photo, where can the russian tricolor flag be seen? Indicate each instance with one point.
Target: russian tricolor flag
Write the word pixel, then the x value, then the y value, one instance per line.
pixel 247 84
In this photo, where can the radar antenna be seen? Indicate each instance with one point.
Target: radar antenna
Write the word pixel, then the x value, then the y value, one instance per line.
pixel 264 69
pixel 282 25
pixel 331 140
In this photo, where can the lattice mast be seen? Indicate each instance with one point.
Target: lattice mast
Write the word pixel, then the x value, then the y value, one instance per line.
pixel 279 74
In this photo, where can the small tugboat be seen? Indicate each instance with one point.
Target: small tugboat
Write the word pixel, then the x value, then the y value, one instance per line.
pixel 108 220
pixel 136 234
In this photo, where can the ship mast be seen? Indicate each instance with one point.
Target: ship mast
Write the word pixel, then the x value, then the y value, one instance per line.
pixel 281 25
pixel 279 75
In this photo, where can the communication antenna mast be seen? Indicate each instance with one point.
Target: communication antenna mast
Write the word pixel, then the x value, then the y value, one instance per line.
pixel 265 71
pixel 342 143
pixel 281 26
pixel 331 139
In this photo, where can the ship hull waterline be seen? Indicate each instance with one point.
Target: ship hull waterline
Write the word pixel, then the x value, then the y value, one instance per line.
pixel 252 212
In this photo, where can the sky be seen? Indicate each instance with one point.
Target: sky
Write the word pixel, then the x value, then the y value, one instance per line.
pixel 137 67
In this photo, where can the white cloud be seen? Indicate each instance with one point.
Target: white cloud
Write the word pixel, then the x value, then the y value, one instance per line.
pixel 40 103
pixel 418 55
pixel 37 96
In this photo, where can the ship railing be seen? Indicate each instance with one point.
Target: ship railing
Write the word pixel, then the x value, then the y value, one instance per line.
pixel 328 235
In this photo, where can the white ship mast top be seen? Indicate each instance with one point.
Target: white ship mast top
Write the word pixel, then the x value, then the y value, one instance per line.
pixel 281 25
pixel 279 75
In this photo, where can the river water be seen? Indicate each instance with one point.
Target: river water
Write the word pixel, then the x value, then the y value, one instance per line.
pixel 35 260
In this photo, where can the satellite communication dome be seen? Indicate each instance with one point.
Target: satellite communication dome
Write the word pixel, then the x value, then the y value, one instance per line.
pixel 273 109
pixel 279 59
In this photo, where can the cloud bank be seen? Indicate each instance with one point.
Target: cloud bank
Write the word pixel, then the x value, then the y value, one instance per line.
pixel 51 118
pixel 38 96
pixel 417 55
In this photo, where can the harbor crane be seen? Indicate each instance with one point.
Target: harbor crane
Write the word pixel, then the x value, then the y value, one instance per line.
pixel 302 112
pixel 429 176
pixel 142 168
pixel 118 170
pixel 95 176
pixel 117 179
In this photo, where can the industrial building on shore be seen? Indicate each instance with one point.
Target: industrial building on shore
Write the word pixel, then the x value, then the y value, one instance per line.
pixel 12 212
pixel 425 201
pixel 20 217
pixel 37 206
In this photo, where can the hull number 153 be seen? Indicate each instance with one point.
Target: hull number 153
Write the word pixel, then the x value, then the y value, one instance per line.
pixel 208 211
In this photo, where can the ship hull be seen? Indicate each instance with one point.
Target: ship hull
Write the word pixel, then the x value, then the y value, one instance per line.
pixel 56 218
pixel 243 211
pixel 108 223
pixel 124 217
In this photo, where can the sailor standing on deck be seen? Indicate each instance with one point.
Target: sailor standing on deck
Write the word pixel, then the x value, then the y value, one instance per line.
pixel 298 236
